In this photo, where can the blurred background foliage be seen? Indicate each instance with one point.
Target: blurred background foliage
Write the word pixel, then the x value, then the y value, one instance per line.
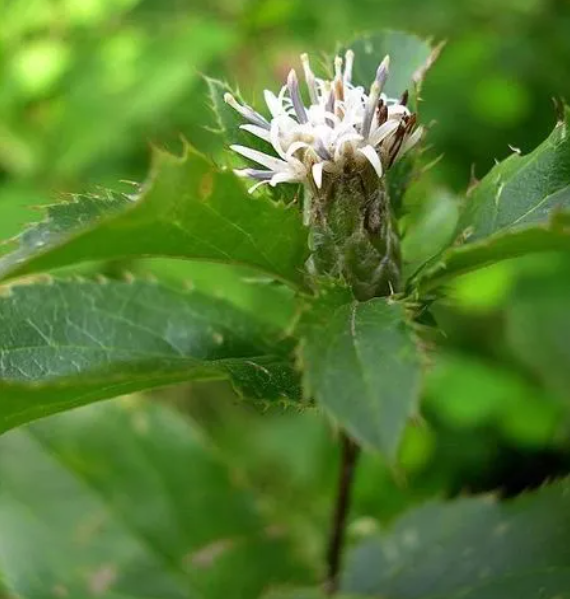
pixel 87 86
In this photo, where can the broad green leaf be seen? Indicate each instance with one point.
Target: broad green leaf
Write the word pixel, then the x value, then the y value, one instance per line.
pixel 538 327
pixel 70 343
pixel 410 57
pixel 187 210
pixel 516 209
pixel 127 500
pixel 471 548
pixel 361 364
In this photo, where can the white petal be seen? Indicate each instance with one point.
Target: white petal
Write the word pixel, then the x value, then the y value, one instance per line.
pixel 411 141
pixel 330 116
pixel 270 162
pixel 275 139
pixel 318 174
pixel 339 150
pixel 274 103
pixel 382 132
pixel 296 146
pixel 397 110
pixel 348 63
pixel 344 139
pixel 257 131
pixel 370 153
pixel 283 178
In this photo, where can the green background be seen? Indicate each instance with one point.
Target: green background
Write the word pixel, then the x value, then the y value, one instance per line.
pixel 88 86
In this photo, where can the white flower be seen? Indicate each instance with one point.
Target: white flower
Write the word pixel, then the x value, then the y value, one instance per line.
pixel 342 127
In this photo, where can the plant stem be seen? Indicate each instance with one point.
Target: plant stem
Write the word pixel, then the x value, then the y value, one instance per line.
pixel 349 457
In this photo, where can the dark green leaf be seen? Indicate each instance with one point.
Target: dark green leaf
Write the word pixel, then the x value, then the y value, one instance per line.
pixel 126 500
pixel 516 209
pixel 71 343
pixel 187 210
pixel 473 549
pixel 361 364
pixel 521 190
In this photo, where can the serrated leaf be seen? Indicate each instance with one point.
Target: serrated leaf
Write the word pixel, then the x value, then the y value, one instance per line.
pixel 470 548
pixel 361 364
pixel 521 190
pixel 187 210
pixel 72 343
pixel 517 208
pixel 126 499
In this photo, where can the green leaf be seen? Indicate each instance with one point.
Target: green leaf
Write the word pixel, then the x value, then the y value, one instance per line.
pixel 72 343
pixel 361 364
pixel 187 210
pixel 410 57
pixel 471 548
pixel 516 209
pixel 553 235
pixel 521 190
pixel 127 500
pixel 538 327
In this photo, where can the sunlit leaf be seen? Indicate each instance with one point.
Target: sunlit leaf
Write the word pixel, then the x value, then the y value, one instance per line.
pixel 187 210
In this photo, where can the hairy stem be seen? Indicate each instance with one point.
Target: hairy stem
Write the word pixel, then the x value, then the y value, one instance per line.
pixel 349 457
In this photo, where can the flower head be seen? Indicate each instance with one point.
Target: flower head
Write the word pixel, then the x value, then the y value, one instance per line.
pixel 342 127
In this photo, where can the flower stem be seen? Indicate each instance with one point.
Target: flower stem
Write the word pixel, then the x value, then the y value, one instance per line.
pixel 349 457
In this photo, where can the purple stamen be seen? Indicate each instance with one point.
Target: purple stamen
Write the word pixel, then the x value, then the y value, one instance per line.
pixel 295 95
